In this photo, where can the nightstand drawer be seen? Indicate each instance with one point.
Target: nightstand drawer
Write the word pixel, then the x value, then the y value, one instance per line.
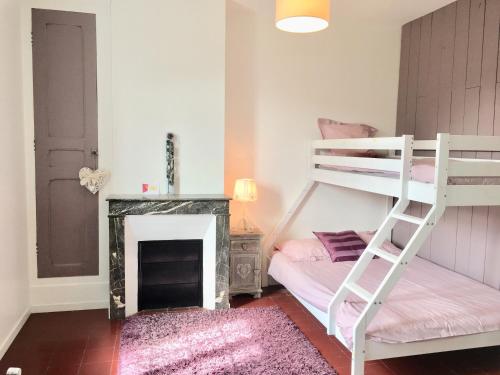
pixel 247 246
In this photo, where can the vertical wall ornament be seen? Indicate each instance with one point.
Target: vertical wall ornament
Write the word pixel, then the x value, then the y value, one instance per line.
pixel 170 171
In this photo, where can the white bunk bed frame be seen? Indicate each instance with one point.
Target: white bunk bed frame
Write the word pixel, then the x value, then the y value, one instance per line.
pixel 438 194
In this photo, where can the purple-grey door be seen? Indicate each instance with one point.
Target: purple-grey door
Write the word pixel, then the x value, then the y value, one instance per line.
pixel 65 109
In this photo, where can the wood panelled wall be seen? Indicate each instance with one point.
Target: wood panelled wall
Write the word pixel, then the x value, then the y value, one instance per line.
pixel 450 82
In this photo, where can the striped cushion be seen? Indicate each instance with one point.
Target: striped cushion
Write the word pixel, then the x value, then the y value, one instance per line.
pixel 342 246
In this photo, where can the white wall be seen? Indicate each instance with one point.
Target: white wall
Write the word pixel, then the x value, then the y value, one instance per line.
pixel 160 68
pixel 168 76
pixel 278 84
pixel 14 292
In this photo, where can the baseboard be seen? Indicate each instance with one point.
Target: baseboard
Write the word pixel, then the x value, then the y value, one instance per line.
pixel 69 296
pixel 71 306
pixel 4 346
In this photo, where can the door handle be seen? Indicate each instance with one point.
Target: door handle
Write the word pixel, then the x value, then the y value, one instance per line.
pixel 94 152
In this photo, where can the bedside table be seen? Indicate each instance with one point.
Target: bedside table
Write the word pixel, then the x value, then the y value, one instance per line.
pixel 245 263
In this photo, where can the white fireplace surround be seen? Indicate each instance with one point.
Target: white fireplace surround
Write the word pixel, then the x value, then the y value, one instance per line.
pixel 164 228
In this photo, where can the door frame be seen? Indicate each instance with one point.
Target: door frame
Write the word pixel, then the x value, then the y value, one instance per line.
pixel 81 292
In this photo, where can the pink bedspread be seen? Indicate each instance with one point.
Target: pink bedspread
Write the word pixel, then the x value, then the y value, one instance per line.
pixel 428 302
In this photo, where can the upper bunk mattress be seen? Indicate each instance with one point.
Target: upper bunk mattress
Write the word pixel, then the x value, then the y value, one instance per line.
pixel 428 302
pixel 422 171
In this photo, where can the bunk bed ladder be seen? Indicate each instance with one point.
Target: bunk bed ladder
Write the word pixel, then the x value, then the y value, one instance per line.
pixel 399 263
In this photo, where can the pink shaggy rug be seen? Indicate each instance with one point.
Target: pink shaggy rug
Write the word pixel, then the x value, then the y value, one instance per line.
pixel 236 341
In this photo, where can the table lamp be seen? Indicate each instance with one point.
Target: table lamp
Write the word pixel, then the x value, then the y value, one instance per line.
pixel 245 190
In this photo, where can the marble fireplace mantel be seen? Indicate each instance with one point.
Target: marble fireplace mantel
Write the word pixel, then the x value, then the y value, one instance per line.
pixel 121 206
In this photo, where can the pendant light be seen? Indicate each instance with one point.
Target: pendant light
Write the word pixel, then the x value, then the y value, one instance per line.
pixel 302 16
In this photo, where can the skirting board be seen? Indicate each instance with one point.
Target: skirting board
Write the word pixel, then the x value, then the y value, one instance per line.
pixel 69 296
pixel 85 305
pixel 4 346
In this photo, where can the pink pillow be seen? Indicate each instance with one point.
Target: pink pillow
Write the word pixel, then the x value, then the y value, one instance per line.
pixel 309 249
pixel 342 246
pixel 331 129
pixel 387 245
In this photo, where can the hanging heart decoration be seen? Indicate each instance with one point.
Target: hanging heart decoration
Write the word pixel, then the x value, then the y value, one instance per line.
pixel 93 180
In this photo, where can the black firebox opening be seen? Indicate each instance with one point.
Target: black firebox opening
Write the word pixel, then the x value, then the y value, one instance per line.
pixel 170 274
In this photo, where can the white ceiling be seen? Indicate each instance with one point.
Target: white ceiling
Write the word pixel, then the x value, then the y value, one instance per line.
pixel 401 11
pixel 394 12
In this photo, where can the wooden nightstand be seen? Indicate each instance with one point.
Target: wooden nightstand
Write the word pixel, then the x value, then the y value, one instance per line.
pixel 245 263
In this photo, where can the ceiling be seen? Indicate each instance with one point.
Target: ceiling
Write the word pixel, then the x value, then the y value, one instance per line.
pixel 401 11
pixel 394 12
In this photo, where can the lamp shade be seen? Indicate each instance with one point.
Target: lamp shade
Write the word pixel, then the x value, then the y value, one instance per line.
pixel 302 16
pixel 245 190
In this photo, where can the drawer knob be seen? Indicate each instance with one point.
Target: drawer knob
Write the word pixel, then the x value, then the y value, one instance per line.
pixel 244 246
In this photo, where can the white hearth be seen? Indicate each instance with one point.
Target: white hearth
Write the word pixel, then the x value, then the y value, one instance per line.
pixel 164 228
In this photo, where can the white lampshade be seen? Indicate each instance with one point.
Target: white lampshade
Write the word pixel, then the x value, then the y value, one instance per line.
pixel 245 190
pixel 302 16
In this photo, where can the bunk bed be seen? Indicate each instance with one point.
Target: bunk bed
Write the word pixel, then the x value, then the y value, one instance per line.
pixel 352 297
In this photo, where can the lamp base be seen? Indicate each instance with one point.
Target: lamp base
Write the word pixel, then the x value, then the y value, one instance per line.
pixel 245 226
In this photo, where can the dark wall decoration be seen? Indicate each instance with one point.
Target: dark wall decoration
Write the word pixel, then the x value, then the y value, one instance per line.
pixel 450 82
pixel 170 162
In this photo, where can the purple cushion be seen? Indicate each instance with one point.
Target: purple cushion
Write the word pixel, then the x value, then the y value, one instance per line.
pixel 342 246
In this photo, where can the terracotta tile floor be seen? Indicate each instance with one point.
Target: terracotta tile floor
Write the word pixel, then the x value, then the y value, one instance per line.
pixel 86 342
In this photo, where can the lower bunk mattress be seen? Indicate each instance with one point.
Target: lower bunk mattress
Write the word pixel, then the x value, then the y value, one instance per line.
pixel 429 301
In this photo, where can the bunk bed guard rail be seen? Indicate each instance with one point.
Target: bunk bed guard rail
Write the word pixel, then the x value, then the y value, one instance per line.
pixel 461 156
pixel 336 169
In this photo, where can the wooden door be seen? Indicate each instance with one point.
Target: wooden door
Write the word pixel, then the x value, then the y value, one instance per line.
pixel 65 112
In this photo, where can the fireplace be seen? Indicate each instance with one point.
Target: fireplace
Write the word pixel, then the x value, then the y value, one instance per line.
pixel 166 228
pixel 170 274
pixel 139 221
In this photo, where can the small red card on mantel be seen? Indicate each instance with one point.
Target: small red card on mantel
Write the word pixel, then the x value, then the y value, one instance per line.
pixel 150 189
